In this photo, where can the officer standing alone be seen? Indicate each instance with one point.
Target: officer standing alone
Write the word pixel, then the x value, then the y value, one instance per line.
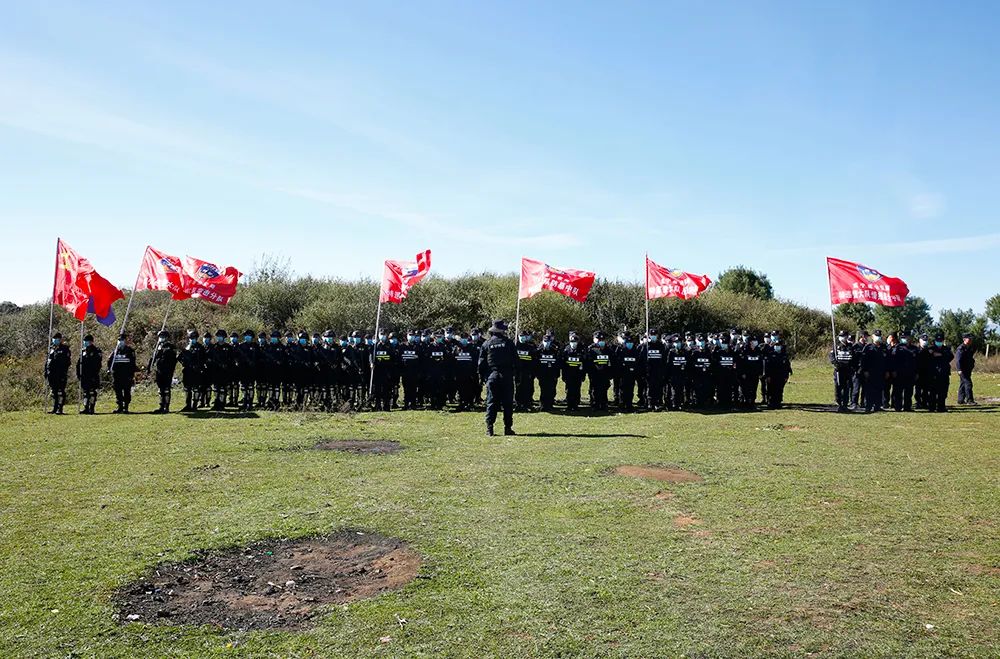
pixel 496 367
pixel 965 360
pixel 121 364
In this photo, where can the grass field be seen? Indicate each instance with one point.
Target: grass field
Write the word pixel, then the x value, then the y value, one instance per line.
pixel 812 533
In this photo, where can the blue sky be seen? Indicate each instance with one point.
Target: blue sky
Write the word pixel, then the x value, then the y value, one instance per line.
pixel 583 134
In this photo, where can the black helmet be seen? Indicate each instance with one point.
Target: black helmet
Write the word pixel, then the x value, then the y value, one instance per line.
pixel 193 335
pixel 162 334
pixel 89 337
pixel 329 333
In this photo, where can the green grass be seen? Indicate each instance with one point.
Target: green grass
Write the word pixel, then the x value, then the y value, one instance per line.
pixel 815 532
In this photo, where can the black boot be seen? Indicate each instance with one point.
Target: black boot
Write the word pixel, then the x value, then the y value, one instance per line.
pixel 489 430
pixel 509 431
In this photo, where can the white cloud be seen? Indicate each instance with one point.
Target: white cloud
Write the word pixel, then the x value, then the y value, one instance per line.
pixel 926 205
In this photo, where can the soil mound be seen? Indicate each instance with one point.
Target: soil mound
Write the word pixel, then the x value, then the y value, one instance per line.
pixel 668 474
pixel 271 584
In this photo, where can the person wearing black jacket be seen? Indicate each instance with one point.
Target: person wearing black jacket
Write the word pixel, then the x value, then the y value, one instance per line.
pixel 411 359
pixel 724 363
pixel 845 364
pixel 777 370
pixel 750 370
pixel 248 354
pixel 88 370
pixel 600 371
pixel 383 366
pixel 940 357
pixel 922 387
pixel 965 360
pixel 904 373
pixel 437 371
pixel 273 368
pixel 628 367
pixel 496 368
pixel 192 359
pixel 700 368
pixel 547 369
pixel 857 386
pixel 574 370
pixel 162 365
pixel 57 363
pixel 122 366
pixel 466 372
pixel 524 372
pixel 654 359
pixel 872 368
pixel 677 374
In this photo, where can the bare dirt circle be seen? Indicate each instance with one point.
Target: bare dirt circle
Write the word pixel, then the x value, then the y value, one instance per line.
pixel 373 446
pixel 668 474
pixel 271 584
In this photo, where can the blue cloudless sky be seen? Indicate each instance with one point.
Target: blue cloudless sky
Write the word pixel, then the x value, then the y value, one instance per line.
pixel 770 134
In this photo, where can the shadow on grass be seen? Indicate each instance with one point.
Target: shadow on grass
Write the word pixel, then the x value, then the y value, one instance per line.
pixel 220 414
pixel 581 434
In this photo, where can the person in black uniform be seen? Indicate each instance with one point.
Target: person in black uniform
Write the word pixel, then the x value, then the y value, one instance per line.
pixel 700 368
pixel 383 365
pixel 777 369
pixel 726 379
pixel 600 369
pixel 574 370
pixel 258 371
pixel 411 369
pixel 273 370
pixel 872 367
pixel 524 372
pixel 677 373
pixel 122 366
pixel 496 368
pixel 922 388
pixel 466 357
pixel 207 373
pixel 548 368
pixel 220 362
pixel 749 369
pixel 904 373
pixel 940 374
pixel 477 340
pixel 965 360
pixel 654 358
pixel 437 371
pixel 57 363
pixel 247 355
pixel 191 359
pixel 162 365
pixel 845 363
pixel 88 370
pixel 628 366
pixel 857 386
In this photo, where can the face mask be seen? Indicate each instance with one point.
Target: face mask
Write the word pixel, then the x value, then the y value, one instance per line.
pixel 316 341
pixel 724 346
pixel 192 342
pixel 343 344
pixel 370 342
pixel 777 348
pixel 600 344
pixel 393 341
pixel 274 340
pixel 409 337
pixel 652 337
pixel 629 344
pixel 56 342
pixel 381 337
pixel 86 344
pixel 234 340
pixel 248 338
pixel 572 345
pixel 524 338
pixel 328 340
pixel 753 344
pixel 843 340
pixel 904 341
pixel 448 335
pixel 438 339
pixel 546 344
pixel 425 339
pixel 701 344
pixel 302 342
pixel 464 342
pixel 121 344
pixel 475 337
pixel 939 343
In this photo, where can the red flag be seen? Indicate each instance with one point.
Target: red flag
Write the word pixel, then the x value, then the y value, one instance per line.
pixel 398 277
pixel 667 282
pixel 205 280
pixel 853 282
pixel 537 277
pixel 161 272
pixel 79 288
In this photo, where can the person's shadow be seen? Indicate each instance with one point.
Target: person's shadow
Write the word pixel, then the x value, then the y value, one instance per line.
pixel 586 435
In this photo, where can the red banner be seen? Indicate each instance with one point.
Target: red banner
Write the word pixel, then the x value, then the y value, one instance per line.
pixel 79 288
pixel 667 282
pixel 853 282
pixel 207 281
pixel 537 277
pixel 161 272
pixel 398 277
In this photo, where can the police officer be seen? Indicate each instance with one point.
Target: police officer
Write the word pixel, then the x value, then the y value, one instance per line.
pixel 122 366
pixel 844 361
pixel 965 360
pixel 247 354
pixel 857 386
pixel 726 378
pixel 922 387
pixel 437 372
pixel 654 359
pixel 411 369
pixel 574 370
pixel 702 376
pixel 162 365
pixel 524 372
pixel 273 368
pixel 599 372
pixel 548 369
pixel 466 357
pixel 904 373
pixel 750 369
pixel 192 359
pixel 57 363
pixel 88 370
pixel 628 367
pixel 872 367
pixel 677 373
pixel 258 371
pixel 496 368
pixel 207 372
pixel 383 365
pixel 940 373
pixel 777 369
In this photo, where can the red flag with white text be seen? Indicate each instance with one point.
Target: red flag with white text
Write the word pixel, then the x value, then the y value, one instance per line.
pixel 161 272
pixel 80 289
pixel 537 277
pixel 670 282
pixel 853 282
pixel 207 281
pixel 398 277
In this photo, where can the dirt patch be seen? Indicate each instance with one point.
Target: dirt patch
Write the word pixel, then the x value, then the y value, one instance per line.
pixel 272 584
pixel 682 521
pixel 668 474
pixel 374 446
pixel 780 426
pixel 981 570
pixel 663 495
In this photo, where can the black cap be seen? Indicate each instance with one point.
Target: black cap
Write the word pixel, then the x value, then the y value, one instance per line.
pixel 328 333
pixel 303 334
pixel 877 332
pixel 275 334
pixel 57 335
pixel 572 334
pixel 89 337
pixel 598 334
pixel 499 326
pixel 967 335
pixel 249 332
pixel 262 335
pixel 121 337
pixel 844 334
pixel 903 334
pixel 192 334
pixel 939 336
pixel 162 334
pixel 222 333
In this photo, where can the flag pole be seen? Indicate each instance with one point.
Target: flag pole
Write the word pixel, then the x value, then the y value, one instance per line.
pixel 646 295
pixel 128 307
pixel 517 308
pixel 169 304
pixel 79 403
pixel 371 357
pixel 52 300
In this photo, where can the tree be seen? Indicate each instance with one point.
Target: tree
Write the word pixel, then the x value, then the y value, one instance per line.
pixel 993 308
pixel 953 324
pixel 745 281
pixel 8 308
pixel 913 315
pixel 858 313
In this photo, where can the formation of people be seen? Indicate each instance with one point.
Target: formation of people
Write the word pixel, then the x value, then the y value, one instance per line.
pixel 436 369
pixel 895 372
